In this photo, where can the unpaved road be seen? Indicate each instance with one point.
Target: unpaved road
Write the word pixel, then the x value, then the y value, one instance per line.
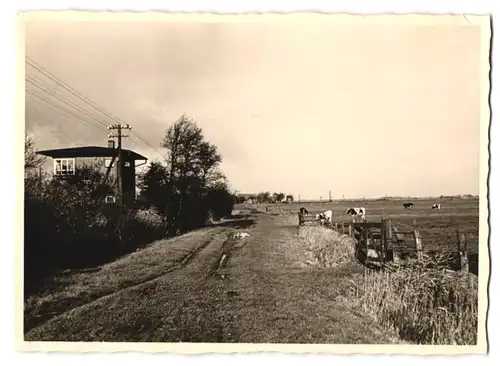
pixel 259 294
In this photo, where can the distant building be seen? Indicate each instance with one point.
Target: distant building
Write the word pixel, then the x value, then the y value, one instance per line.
pixel 67 161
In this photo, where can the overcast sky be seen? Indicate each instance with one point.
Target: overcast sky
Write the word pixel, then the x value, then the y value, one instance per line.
pixel 303 108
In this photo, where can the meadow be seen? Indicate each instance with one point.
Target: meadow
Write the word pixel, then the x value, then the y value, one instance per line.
pixel 438 228
pixel 424 303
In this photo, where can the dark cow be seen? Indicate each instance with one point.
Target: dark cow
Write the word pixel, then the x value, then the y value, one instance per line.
pixel 408 205
pixel 436 206
pixel 303 211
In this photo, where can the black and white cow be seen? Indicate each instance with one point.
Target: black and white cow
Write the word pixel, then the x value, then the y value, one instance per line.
pixel 303 211
pixel 325 216
pixel 408 205
pixel 436 206
pixel 356 213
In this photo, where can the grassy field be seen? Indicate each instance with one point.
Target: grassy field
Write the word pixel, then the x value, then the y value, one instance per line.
pixel 422 302
pixel 437 228
pixel 273 287
pixel 277 285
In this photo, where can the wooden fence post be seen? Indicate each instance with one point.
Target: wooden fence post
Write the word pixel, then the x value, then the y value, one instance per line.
pixel 389 241
pixel 418 245
pixel 388 231
pixel 462 251
pixel 365 238
pixel 383 250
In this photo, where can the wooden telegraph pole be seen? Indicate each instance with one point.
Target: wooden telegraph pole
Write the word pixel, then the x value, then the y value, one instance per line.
pixel 119 164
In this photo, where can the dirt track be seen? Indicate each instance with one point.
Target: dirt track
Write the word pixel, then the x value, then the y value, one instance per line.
pixel 257 294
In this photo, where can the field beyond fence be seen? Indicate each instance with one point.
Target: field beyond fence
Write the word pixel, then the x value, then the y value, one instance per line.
pixel 452 230
pixel 428 295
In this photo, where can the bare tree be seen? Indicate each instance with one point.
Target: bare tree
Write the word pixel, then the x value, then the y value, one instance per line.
pixel 31 158
pixel 192 171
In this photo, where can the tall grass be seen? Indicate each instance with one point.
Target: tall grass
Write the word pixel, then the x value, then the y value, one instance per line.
pixel 423 302
pixel 326 248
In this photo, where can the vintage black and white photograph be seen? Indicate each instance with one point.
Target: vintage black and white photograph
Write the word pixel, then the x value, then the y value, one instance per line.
pixel 256 179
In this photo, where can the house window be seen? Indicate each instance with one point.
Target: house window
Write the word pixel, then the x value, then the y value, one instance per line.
pixel 110 199
pixel 107 163
pixel 64 166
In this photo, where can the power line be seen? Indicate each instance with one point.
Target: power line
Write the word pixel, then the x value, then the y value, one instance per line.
pixel 57 107
pixel 35 109
pixel 69 103
pixel 81 97
pixel 66 101
pixel 64 110
pixel 68 88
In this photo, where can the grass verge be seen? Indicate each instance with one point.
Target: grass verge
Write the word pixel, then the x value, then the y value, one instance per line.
pixel 75 288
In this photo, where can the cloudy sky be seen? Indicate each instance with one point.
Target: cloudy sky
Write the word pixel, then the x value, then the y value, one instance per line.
pixel 303 108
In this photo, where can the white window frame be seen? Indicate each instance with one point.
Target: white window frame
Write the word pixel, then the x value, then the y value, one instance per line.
pixel 107 162
pixel 59 162
pixel 110 199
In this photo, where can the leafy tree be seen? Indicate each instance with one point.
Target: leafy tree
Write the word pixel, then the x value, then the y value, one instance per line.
pixel 219 200
pixel 208 160
pixel 264 197
pixel 154 186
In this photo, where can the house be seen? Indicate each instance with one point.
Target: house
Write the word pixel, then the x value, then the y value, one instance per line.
pixel 68 160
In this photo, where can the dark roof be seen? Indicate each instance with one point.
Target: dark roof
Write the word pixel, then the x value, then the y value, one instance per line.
pixel 89 151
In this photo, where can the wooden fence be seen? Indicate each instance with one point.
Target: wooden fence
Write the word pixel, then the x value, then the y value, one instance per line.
pixel 381 242
pixel 275 209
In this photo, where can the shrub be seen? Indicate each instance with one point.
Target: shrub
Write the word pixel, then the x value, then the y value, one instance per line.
pixel 67 225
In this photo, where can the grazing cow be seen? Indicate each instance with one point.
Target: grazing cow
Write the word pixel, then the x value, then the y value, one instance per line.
pixel 356 212
pixel 408 205
pixel 303 211
pixel 436 206
pixel 325 216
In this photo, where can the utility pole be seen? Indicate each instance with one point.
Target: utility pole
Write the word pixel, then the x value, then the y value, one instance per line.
pixel 330 195
pixel 119 165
